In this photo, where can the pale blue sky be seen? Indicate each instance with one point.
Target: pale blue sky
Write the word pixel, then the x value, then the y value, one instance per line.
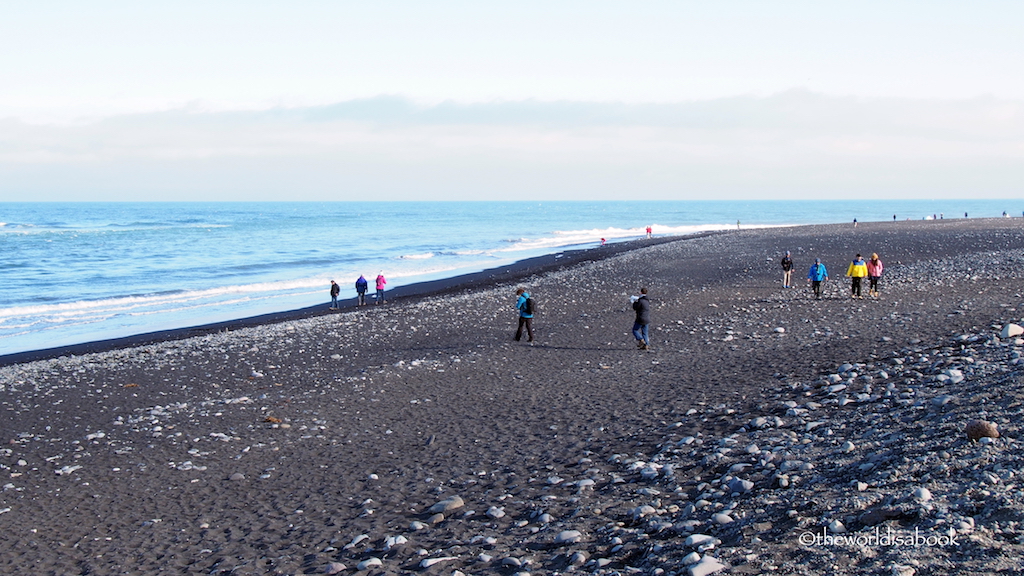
pixel 463 100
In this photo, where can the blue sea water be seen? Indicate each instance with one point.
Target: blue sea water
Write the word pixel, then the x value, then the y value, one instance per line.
pixel 79 272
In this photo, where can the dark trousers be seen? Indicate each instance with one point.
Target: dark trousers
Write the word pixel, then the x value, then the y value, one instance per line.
pixel 873 283
pixel 855 285
pixel 528 322
pixel 362 298
pixel 816 286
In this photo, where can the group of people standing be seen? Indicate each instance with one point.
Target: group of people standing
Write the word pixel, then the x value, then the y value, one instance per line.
pixel 856 272
pixel 361 286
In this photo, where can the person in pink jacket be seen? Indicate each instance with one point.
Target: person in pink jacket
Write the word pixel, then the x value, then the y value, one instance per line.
pixel 874 274
pixel 380 288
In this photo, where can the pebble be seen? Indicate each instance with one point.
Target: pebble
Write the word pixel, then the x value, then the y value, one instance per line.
pixel 977 429
pixel 447 505
pixel 428 562
pixel 721 518
pixel 568 537
pixel 370 562
pixel 334 568
pixel 1011 330
pixel 696 540
pixel 707 565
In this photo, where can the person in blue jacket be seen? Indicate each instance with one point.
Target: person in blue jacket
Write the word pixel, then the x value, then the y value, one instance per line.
pixel 361 285
pixel 525 307
pixel 816 275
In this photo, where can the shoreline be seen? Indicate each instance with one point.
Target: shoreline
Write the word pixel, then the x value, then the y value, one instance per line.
pixel 409 292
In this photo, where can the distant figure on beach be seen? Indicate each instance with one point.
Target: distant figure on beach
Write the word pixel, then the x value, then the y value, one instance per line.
pixel 381 282
pixel 857 270
pixel 942 215
pixel 524 305
pixel 649 230
pixel 737 224
pixel 874 274
pixel 816 275
pixel 335 290
pixel 603 241
pixel 854 222
pixel 787 271
pixel 361 285
pixel 893 217
pixel 965 214
pixel 1005 215
pixel 642 307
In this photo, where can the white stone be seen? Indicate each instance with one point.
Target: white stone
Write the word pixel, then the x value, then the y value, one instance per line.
pixel 355 541
pixel 691 558
pixel 707 565
pixel 721 518
pixel 923 494
pixel 495 512
pixel 393 541
pixel 447 505
pixel 568 537
pixel 369 563
pixel 837 527
pixel 641 511
pixel 1011 330
pixel 698 540
pixel 780 330
pixel 428 562
pixel 847 447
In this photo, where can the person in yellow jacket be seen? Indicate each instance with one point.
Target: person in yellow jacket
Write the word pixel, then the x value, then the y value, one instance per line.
pixel 858 269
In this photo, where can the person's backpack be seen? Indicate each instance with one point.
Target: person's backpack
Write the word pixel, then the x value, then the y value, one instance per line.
pixel 528 306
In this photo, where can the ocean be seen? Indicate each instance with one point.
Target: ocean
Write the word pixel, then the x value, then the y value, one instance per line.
pixel 81 272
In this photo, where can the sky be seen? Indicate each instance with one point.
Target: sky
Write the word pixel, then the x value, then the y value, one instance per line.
pixel 317 100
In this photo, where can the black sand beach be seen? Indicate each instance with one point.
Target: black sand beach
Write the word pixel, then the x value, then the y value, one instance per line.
pixel 273 445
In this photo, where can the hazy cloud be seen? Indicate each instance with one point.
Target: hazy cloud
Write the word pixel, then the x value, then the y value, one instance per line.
pixel 794 144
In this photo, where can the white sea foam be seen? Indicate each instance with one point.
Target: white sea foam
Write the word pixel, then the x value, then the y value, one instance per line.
pixel 423 256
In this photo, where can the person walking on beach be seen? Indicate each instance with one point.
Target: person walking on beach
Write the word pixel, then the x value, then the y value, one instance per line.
pixel 642 307
pixel 649 230
pixel 335 290
pixel 524 305
pixel 816 275
pixel 381 282
pixel 857 270
pixel 361 290
pixel 874 274
pixel 787 271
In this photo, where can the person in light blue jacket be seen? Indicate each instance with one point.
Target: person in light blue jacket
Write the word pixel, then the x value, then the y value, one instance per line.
pixel 816 275
pixel 524 305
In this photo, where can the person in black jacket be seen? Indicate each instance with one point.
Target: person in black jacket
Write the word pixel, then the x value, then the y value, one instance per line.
pixel 787 271
pixel 642 307
pixel 335 290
